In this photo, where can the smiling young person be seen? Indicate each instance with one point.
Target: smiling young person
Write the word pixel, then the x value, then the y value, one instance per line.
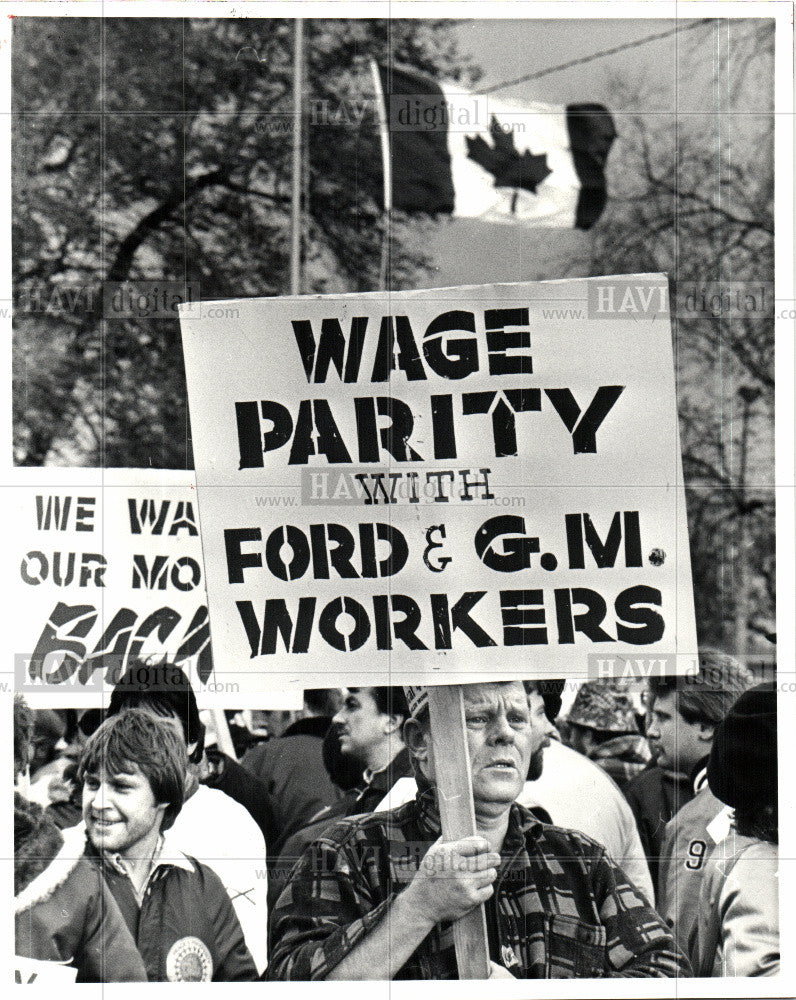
pixel 374 897
pixel 211 825
pixel 68 926
pixel 133 771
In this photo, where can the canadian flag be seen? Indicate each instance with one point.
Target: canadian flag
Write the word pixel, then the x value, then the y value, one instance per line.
pixel 471 155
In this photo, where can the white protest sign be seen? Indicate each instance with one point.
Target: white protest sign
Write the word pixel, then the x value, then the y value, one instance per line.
pixel 442 485
pixel 34 970
pixel 108 569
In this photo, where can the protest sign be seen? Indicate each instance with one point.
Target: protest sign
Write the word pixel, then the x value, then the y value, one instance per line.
pixel 442 485
pixel 108 570
pixel 33 970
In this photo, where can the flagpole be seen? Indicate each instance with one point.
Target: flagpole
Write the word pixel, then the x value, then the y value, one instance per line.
pixel 295 197
pixel 384 133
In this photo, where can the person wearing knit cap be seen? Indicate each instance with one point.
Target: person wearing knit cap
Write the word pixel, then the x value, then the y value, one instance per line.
pixel 742 767
pixel 603 727
pixel 565 785
pixel 738 923
pixel 375 896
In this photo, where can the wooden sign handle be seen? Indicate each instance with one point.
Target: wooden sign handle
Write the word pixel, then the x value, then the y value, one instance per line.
pixel 457 812
pixel 223 735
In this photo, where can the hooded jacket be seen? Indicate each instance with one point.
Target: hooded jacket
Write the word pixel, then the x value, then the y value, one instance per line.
pixel 68 926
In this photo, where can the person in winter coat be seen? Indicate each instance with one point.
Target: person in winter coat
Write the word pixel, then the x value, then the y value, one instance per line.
pixel 290 766
pixel 738 924
pixel 212 826
pixel 68 927
pixel 689 838
pixel 133 771
pixel 572 791
pixel 374 897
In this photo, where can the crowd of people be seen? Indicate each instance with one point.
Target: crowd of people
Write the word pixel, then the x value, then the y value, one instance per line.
pixel 633 835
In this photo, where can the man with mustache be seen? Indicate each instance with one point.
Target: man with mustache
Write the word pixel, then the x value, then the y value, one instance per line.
pixel 375 897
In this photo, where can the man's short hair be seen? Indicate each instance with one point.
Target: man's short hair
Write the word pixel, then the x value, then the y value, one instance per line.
pixel 550 692
pixel 389 700
pixel 136 739
pixel 708 695
pixel 161 686
pixel 321 701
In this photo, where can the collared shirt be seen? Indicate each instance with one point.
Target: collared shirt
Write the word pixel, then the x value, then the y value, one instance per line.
pixel 164 854
pixel 369 773
pixel 561 908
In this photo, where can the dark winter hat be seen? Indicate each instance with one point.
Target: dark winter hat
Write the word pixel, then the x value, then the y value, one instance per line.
pixel 161 685
pixel 49 725
pixel 742 769
pixel 604 705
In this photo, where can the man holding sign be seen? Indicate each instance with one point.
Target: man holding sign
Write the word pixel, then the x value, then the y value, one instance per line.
pixel 376 896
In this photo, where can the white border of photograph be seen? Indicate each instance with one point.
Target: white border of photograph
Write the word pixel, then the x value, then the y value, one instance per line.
pixel 782 11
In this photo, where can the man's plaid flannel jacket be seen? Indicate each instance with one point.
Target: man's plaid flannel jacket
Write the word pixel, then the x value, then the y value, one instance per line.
pixel 561 907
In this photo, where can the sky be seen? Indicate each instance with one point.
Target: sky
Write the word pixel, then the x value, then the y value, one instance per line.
pixel 509 49
pixel 506 50
pixel 683 73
